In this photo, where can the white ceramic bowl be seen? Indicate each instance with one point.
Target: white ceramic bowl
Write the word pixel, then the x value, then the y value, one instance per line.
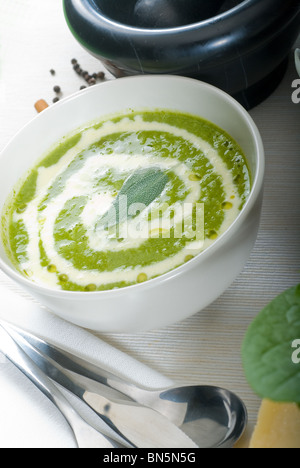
pixel 187 289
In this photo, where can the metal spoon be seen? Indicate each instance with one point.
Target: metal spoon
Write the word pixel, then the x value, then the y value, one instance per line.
pixel 210 416
pixel 136 426
pixel 86 436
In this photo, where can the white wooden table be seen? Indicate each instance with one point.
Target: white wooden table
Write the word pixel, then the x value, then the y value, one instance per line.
pixel 205 348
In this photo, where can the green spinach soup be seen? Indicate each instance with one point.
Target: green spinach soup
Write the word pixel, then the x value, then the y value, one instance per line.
pixel 125 200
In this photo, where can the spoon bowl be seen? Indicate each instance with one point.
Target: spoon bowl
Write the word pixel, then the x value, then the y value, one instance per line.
pixel 211 416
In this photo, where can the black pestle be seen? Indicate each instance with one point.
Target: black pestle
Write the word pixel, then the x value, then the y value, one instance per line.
pixel 172 13
pixel 153 14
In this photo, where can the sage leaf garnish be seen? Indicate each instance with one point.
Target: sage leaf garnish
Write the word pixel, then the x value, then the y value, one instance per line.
pixel 267 350
pixel 138 191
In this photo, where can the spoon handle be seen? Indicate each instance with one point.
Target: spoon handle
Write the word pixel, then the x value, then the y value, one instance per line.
pixel 123 390
pixel 134 424
pixel 86 436
pixel 81 366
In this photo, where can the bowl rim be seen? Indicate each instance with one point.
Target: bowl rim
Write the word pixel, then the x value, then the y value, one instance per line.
pixel 93 11
pixel 257 185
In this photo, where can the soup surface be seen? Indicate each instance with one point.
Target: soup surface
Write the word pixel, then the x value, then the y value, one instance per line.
pixel 125 200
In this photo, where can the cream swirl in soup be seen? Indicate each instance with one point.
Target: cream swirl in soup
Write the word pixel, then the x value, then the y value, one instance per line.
pixel 125 200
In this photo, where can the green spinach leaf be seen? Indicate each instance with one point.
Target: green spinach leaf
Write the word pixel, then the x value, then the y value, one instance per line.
pixel 268 351
pixel 139 190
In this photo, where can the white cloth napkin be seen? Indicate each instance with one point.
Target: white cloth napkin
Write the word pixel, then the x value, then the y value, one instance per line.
pixel 27 418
